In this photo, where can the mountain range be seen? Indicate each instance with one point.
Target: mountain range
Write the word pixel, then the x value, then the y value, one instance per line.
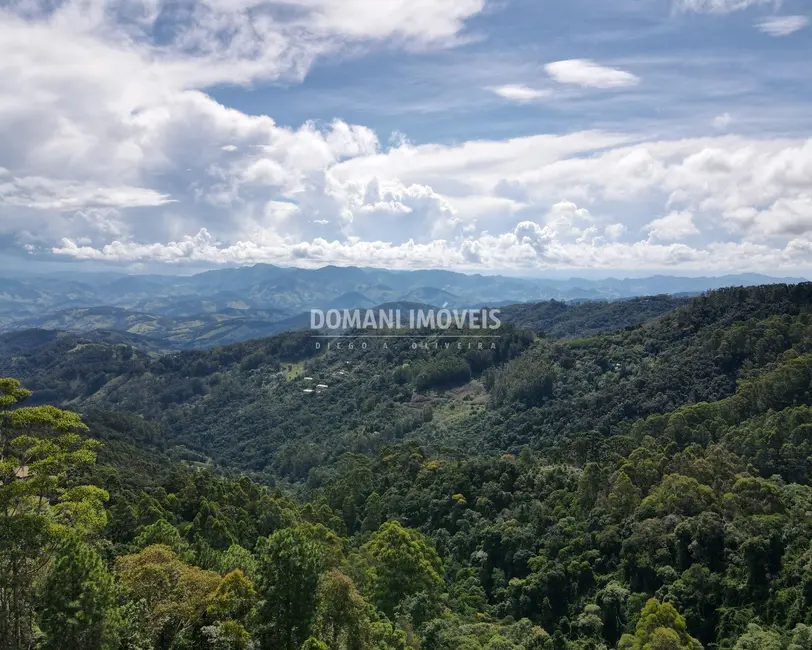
pixel 237 304
pixel 641 483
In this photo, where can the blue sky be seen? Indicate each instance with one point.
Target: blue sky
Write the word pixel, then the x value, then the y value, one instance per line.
pixel 693 67
pixel 523 136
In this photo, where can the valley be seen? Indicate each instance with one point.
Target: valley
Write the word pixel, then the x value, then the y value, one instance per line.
pixel 601 464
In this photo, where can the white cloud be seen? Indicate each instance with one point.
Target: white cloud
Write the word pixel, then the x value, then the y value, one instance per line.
pixel 565 219
pixel 528 246
pixel 424 23
pixel 452 205
pixel 393 212
pixel 782 25
pixel 47 194
pixel 476 166
pixel 721 122
pixel 112 150
pixel 787 216
pixel 672 227
pixel 614 231
pixel 85 89
pixel 584 72
pixel 719 6
pixel 519 92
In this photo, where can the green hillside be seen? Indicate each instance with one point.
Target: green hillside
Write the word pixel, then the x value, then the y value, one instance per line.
pixel 204 330
pixel 647 487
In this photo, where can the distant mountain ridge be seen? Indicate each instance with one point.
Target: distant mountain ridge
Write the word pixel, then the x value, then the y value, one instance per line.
pixel 232 304
pixel 161 334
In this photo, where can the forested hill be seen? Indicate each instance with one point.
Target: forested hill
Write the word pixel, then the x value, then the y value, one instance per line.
pixel 244 405
pixel 162 334
pixel 554 319
pixel 643 489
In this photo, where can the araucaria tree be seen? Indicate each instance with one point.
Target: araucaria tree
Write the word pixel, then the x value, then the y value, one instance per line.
pixel 40 449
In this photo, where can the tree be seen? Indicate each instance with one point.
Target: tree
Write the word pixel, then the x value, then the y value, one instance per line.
pixel 678 495
pixel 78 601
pixel 801 638
pixel 623 496
pixel 343 615
pixel 314 644
pixel 233 603
pixel 590 622
pixel 234 597
pixel 40 452
pixel 660 628
pixel 227 635
pixel 176 596
pixel 237 557
pixel 289 569
pixel 400 562
pixel 757 638
pixel 161 533
pixel 590 486
pixel 348 490
pixel 612 601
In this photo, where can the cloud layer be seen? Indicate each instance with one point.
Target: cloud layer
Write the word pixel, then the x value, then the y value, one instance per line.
pixel 115 150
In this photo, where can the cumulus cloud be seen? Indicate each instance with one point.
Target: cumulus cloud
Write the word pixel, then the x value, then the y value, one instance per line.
pixel 519 92
pixel 448 205
pixel 566 220
pixel 85 88
pixel 583 72
pixel 782 25
pixel 395 212
pixel 787 216
pixel 528 246
pixel 672 227
pixel 614 231
pixel 122 156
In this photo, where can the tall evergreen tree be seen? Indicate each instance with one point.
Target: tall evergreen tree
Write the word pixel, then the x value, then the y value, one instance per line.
pixel 78 601
pixel 40 450
pixel 289 568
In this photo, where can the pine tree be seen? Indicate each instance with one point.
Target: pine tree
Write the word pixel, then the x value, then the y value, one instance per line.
pixel 40 449
pixel 78 601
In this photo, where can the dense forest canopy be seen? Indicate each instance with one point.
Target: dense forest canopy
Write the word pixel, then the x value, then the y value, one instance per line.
pixel 645 486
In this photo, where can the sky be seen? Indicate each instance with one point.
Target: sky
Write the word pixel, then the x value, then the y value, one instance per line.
pixel 519 136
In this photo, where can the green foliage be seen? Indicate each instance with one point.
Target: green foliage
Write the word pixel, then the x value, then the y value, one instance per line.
pixel 646 489
pixel 399 563
pixel 78 601
pixel 557 320
pixel 443 373
pixel 660 627
pixel 175 595
pixel 757 638
pixel 344 619
pixel 41 452
pixel 289 569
